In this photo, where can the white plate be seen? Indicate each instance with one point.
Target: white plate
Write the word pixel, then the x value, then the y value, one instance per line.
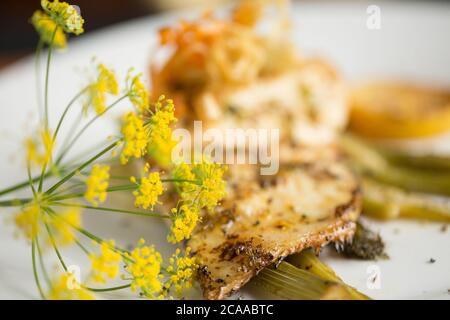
pixel 411 44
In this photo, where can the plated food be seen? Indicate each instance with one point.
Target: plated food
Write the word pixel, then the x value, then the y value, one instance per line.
pixel 226 74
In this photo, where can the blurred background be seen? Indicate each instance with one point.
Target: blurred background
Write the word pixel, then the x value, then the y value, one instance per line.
pixel 100 13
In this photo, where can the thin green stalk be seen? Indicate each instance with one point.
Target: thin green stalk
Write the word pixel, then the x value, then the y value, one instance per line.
pixel 15 202
pixel 47 74
pixel 181 180
pixel 30 182
pixel 81 167
pixel 107 289
pixel 18 186
pixel 42 264
pixel 26 183
pixel 55 247
pixel 38 79
pixel 72 130
pixel 35 273
pixel 137 213
pixel 66 110
pixel 126 187
pixel 83 248
pixel 41 180
pixel 80 133
pixel 64 192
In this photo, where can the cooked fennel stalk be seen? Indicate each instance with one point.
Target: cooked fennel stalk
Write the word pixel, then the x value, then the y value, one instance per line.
pixel 370 163
pixel 424 162
pixel 292 283
pixel 307 260
pixel 387 202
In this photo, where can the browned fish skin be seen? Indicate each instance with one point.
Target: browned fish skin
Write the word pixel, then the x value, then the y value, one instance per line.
pixel 264 219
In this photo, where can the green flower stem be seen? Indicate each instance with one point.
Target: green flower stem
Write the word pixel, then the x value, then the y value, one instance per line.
pixel 55 247
pixel 83 248
pixel 64 192
pixel 35 273
pixel 42 264
pixel 138 213
pixel 47 74
pixel 41 180
pixel 126 187
pixel 107 289
pixel 15 202
pixel 30 182
pixel 80 133
pixel 81 167
pixel 24 184
pixel 66 110
pixel 72 130
pixel 19 186
pixel 181 180
pixel 38 80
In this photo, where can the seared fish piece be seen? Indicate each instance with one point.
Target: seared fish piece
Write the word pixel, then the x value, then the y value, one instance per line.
pixel 266 218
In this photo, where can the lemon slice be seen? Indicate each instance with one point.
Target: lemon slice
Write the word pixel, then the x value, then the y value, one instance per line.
pixel 397 110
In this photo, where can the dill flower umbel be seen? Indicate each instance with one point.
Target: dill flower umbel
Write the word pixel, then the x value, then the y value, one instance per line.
pixel 67 288
pixel 186 218
pixel 45 27
pixel 161 120
pixel 97 184
pixel 106 264
pixel 144 266
pixel 106 82
pixel 27 220
pixel 64 15
pixel 208 187
pixel 149 189
pixel 139 95
pixel 181 270
pixel 134 137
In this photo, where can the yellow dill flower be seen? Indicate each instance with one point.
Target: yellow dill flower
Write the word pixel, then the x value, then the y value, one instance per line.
pixel 149 189
pixel 212 185
pixel 181 270
pixel 96 184
pixel 106 264
pixel 134 136
pixel 64 15
pixel 45 27
pixel 188 183
pixel 27 220
pixel 40 151
pixel 108 79
pixel 61 226
pixel 139 95
pixel 68 288
pixel 161 120
pixel 186 218
pixel 144 267
pixel 106 82
pixel 209 186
